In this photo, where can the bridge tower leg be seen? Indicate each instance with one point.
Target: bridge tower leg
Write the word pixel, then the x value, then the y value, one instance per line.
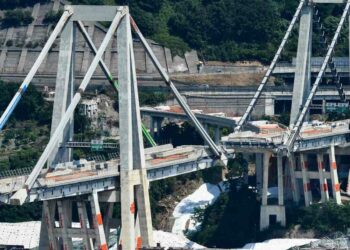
pixel 133 176
pixel 334 176
pixel 306 180
pixel 295 187
pixel 302 80
pixel 63 96
pixel 64 92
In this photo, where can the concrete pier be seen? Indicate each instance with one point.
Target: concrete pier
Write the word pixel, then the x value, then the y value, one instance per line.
pixel 323 180
pixel 295 187
pixel 272 213
pixel 306 180
pixel 334 176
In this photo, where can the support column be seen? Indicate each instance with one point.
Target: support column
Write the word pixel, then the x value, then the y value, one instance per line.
pixel 269 105
pixel 65 221
pixel 259 171
pixel 324 102
pixel 245 173
pixel 265 178
pixel 217 135
pixel 334 176
pixel 280 180
pixel 306 180
pixel 295 188
pixel 84 224
pixel 302 80
pixel 323 180
pixel 108 216
pixel 152 126
pixel 47 237
pixel 101 243
pixel 272 210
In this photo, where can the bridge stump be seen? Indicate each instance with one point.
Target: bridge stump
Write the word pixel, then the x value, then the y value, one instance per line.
pixel 272 213
pixel 56 235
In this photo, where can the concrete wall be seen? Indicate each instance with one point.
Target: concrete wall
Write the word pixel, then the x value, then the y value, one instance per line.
pixel 231 105
pixel 27 42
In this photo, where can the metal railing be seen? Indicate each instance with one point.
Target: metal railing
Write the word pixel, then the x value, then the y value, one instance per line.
pixel 15 172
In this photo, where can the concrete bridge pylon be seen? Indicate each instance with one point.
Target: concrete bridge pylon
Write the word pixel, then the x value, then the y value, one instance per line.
pixel 135 223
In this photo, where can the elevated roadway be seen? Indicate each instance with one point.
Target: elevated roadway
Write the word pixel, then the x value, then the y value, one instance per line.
pixel 82 177
pixel 272 137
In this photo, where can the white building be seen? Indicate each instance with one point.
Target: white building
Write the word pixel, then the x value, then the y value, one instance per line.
pixel 89 108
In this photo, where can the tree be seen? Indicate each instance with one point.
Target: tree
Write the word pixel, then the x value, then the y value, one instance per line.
pixel 52 16
pixel 17 17
pixel 231 221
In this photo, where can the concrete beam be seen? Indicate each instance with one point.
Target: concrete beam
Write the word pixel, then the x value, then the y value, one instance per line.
pixel 97 13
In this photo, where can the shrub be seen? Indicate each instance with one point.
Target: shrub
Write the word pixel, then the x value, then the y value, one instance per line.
pixel 52 16
pixel 9 43
pixel 17 17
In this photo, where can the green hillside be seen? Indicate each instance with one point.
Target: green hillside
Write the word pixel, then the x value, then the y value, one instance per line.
pixel 223 30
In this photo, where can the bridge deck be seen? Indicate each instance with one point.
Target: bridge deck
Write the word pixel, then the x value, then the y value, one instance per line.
pixel 73 178
pixel 272 136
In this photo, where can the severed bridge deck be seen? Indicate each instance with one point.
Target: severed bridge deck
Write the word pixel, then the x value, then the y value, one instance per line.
pixel 82 177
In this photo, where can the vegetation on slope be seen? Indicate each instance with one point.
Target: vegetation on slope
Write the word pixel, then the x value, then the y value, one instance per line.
pixel 11 4
pixel 227 30
pixel 27 130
